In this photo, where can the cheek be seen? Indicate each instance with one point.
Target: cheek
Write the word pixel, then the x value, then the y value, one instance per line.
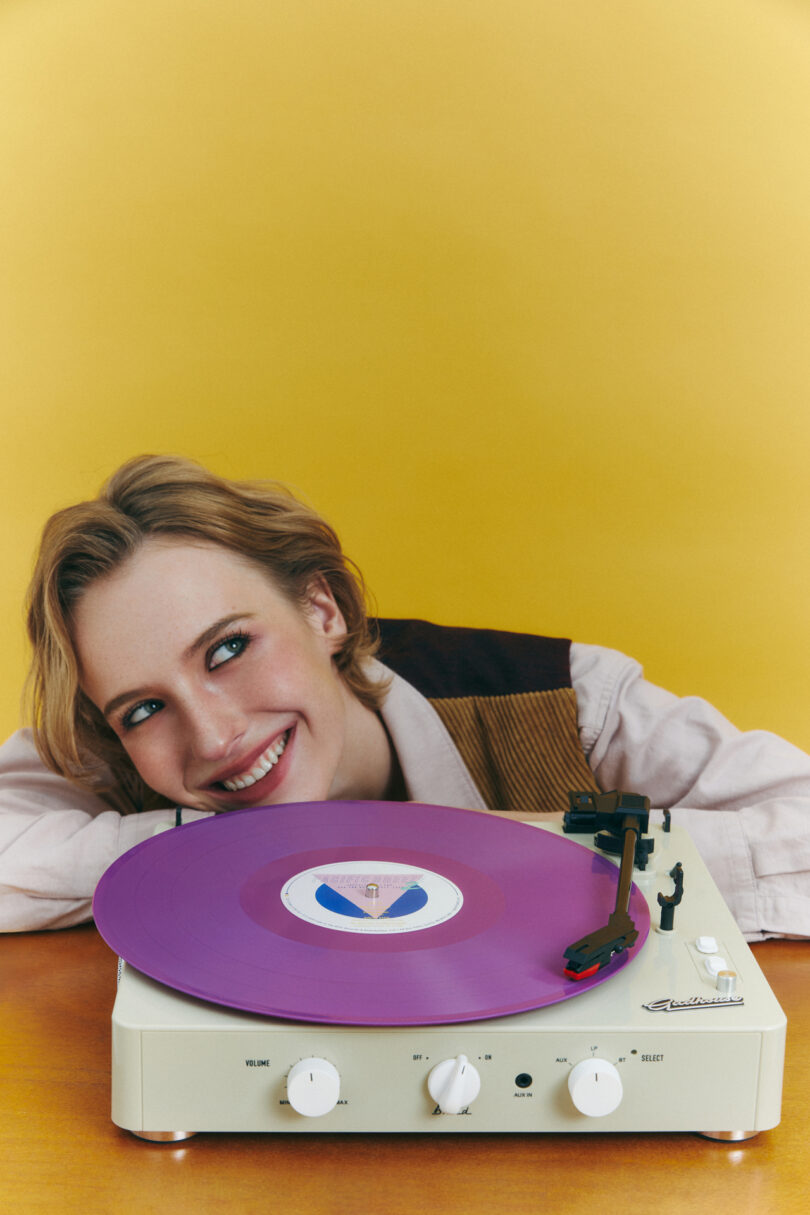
pixel 288 677
pixel 154 758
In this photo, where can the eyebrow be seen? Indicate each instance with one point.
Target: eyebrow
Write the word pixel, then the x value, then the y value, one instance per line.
pixel 204 638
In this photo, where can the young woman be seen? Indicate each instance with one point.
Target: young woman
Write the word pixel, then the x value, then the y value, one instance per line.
pixel 201 645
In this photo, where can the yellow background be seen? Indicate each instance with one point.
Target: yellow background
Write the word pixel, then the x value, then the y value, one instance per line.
pixel 517 292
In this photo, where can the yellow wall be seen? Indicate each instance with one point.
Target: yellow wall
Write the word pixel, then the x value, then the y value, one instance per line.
pixel 516 292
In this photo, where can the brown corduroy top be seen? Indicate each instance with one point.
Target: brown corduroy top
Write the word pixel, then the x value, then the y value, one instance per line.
pixel 507 702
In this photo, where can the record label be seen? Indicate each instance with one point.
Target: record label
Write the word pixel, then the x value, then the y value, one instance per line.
pixel 378 897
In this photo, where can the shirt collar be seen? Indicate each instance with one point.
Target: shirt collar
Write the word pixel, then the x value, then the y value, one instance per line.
pixel 433 770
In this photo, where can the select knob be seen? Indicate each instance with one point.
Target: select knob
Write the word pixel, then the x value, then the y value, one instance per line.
pixel 454 1084
pixel 313 1087
pixel 595 1087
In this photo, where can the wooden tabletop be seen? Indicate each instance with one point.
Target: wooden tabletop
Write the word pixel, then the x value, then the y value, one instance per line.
pixel 60 1153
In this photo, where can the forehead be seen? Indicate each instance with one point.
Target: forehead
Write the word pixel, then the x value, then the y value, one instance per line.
pixel 177 562
pixel 175 586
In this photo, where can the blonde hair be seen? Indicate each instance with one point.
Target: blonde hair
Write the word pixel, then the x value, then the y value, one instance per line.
pixel 168 496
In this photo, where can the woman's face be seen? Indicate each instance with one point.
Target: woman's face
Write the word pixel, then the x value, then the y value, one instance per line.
pixel 223 692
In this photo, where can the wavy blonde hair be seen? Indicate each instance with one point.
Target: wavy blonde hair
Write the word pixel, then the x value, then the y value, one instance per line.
pixel 168 496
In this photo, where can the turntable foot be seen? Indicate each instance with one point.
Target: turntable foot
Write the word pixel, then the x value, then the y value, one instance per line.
pixel 163 1136
pixel 728 1136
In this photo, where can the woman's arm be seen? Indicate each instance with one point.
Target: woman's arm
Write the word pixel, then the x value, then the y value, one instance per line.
pixel 56 841
pixel 743 797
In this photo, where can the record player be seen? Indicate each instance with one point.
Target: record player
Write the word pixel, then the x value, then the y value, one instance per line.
pixel 384 967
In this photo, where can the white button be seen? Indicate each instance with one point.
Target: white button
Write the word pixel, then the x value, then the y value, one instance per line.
pixel 706 945
pixel 715 965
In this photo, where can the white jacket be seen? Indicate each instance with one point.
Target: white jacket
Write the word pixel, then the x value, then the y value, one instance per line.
pixel 743 797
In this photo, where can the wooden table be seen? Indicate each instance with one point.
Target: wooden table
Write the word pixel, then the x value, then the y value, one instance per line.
pixel 60 1153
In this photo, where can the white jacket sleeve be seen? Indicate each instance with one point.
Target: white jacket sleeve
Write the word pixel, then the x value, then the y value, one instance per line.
pixel 56 841
pixel 743 797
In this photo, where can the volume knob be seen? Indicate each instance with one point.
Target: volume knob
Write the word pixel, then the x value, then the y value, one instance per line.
pixel 313 1087
pixel 454 1084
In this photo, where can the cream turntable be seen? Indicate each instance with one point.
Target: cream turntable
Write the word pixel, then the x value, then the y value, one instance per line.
pixel 366 966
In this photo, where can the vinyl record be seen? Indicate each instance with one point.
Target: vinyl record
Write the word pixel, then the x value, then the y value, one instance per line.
pixel 361 913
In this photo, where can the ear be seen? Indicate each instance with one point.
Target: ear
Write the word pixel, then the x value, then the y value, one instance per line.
pixel 323 613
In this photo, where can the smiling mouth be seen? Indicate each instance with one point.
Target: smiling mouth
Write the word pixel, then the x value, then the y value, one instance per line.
pixel 266 761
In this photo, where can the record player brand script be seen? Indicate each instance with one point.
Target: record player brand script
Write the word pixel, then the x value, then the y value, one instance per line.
pixel 669 1005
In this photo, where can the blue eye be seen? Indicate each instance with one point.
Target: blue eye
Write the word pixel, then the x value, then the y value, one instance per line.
pixel 141 712
pixel 228 648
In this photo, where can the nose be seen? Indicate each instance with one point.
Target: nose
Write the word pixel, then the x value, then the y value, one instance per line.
pixel 214 727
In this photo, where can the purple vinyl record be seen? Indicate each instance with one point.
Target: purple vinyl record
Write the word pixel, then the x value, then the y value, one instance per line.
pixel 362 913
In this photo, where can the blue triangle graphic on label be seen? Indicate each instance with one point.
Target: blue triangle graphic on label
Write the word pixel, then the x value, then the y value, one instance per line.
pixel 412 900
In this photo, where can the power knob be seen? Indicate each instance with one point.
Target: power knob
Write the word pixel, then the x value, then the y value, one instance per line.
pixel 313 1087
pixel 454 1084
pixel 595 1087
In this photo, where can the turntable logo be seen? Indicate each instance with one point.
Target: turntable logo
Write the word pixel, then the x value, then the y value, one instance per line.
pixel 378 897
pixel 669 1005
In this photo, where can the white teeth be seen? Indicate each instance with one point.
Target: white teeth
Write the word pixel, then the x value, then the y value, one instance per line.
pixel 262 766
